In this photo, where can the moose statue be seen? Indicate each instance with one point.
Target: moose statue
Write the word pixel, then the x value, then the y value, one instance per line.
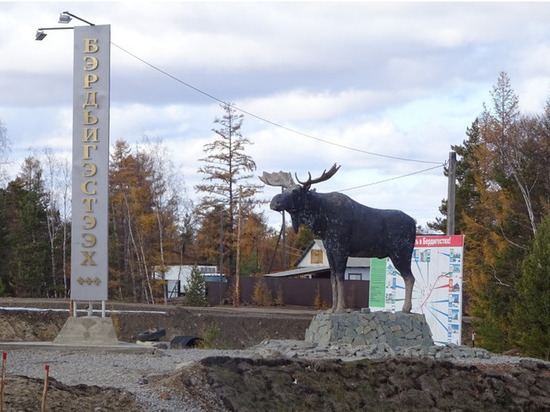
pixel 347 229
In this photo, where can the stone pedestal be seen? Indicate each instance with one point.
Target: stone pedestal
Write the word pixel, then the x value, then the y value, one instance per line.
pixel 356 328
pixel 87 330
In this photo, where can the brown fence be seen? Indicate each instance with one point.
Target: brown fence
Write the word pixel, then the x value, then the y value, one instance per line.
pixel 293 292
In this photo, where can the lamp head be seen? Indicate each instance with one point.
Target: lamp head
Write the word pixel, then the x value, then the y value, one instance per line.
pixel 64 18
pixel 40 34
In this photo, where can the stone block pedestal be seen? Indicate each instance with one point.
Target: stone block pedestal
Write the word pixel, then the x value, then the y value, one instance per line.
pixel 357 328
pixel 87 330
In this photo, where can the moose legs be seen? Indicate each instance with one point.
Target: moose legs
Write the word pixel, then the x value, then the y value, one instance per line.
pixel 409 283
pixel 338 296
pixel 403 265
pixel 337 264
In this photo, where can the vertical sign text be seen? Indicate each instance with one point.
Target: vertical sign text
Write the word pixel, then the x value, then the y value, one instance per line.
pixel 91 88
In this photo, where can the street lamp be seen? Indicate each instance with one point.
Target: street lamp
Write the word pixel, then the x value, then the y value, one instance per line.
pixel 64 18
pixel 40 32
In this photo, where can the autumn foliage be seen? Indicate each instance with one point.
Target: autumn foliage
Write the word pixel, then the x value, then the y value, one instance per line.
pixel 502 196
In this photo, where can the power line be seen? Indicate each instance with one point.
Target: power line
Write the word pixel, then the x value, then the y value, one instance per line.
pixel 393 178
pixel 263 119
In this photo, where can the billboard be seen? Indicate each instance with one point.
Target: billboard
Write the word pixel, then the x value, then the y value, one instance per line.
pixel 90 164
pixel 437 266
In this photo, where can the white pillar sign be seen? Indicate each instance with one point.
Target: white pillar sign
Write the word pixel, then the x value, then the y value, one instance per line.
pixel 90 167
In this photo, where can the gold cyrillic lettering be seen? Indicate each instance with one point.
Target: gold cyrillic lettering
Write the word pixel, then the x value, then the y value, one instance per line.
pixel 90 133
pixel 88 261
pixel 87 147
pixel 89 79
pixel 90 169
pixel 89 222
pixel 91 100
pixel 84 187
pixel 89 118
pixel 90 45
pixel 90 63
pixel 88 201
pixel 89 240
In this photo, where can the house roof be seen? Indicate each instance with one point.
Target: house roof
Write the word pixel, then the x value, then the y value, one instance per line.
pixel 298 272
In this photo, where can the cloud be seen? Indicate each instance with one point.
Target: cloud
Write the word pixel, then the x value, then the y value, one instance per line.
pixel 398 79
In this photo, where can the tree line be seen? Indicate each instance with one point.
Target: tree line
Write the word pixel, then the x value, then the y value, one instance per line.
pixel 153 223
pixel 503 209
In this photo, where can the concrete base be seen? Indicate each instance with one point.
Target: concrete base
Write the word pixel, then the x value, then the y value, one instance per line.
pixel 356 328
pixel 87 330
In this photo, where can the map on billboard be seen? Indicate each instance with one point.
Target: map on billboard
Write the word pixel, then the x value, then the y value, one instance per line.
pixel 437 266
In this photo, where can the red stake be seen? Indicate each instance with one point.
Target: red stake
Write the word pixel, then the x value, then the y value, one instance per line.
pixel 4 356
pixel 43 408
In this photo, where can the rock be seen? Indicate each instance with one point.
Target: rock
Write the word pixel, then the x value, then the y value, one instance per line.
pixel 359 328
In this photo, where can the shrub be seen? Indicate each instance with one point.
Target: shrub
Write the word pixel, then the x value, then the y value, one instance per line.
pixel 262 295
pixel 279 301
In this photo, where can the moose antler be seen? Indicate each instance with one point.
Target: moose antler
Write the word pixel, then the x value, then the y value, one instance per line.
pixel 325 176
pixel 283 179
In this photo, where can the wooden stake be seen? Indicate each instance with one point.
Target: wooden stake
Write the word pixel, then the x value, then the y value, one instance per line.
pixel 44 393
pixel 4 356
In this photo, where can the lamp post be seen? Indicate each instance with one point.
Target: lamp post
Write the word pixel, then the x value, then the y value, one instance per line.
pixel 65 17
pixel 90 160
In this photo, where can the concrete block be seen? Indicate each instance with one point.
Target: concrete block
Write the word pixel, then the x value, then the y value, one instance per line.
pixel 87 330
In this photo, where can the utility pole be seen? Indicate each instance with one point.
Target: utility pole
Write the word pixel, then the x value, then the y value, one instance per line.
pixel 237 298
pixel 451 189
pixel 221 251
pixel 283 231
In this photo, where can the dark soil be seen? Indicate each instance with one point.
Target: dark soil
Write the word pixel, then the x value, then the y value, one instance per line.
pixel 242 384
pixel 25 394
pixel 391 384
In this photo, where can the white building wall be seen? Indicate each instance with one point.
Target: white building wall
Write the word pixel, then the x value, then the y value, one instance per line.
pixel 357 268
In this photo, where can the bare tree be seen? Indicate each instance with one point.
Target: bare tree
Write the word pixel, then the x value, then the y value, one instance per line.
pixel 5 149
pixel 507 136
pixel 168 195
pixel 226 168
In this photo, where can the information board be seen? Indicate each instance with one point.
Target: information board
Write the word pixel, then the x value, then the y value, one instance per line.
pixel 437 266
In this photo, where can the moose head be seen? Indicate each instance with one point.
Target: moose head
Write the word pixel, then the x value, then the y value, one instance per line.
pixel 295 197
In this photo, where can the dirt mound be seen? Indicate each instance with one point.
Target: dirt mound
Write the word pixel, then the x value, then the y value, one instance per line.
pixel 25 324
pixel 25 394
pixel 243 384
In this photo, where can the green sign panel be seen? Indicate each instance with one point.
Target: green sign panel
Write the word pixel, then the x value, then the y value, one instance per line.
pixel 377 294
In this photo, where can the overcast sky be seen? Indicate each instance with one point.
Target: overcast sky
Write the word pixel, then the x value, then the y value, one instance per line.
pixel 384 89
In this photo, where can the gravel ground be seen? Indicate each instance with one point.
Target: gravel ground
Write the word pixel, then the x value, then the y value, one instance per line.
pixel 138 372
pixel 131 371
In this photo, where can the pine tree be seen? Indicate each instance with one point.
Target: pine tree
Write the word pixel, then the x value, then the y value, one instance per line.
pixel 195 289
pixel 26 266
pixel 532 307
pixel 227 172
